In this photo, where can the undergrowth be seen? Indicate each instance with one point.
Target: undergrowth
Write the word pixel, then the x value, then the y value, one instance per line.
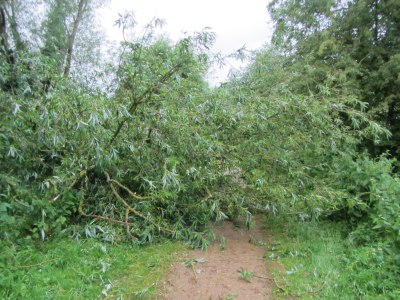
pixel 85 269
pixel 320 262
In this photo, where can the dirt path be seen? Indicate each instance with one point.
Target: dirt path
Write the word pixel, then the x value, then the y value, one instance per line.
pixel 214 274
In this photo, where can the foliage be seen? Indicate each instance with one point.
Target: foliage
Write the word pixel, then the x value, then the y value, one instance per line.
pixel 372 204
pixel 357 40
pixel 71 152
pixel 159 153
pixel 294 136
pixel 307 162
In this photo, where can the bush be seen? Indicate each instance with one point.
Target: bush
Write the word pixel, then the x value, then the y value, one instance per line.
pixel 372 205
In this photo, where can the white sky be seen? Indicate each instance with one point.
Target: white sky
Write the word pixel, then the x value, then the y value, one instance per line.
pixel 236 22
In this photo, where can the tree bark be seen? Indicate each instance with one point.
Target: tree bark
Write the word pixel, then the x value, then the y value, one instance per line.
pixel 14 28
pixel 376 22
pixel 71 41
pixel 3 28
pixel 19 44
pixel 5 50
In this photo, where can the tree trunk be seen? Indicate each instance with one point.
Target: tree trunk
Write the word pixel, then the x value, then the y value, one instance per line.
pixel 5 50
pixel 376 22
pixel 19 44
pixel 3 29
pixel 71 40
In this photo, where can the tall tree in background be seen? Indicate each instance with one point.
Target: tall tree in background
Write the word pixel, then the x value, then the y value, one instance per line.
pixel 65 23
pixel 11 40
pixel 11 13
pixel 57 37
pixel 370 33
pixel 358 41
pixel 82 6
pixel 3 29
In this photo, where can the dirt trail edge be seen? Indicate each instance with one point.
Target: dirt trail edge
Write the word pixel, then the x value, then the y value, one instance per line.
pixel 214 274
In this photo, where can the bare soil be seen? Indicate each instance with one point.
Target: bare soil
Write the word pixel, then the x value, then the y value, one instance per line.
pixel 218 277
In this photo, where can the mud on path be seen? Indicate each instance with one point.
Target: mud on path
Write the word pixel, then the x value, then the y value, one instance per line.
pixel 214 274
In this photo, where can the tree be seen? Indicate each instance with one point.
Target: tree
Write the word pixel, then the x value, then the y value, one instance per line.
pixel 71 39
pixel 358 40
pixel 66 23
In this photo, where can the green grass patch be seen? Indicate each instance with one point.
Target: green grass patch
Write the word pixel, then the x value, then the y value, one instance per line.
pixel 316 260
pixel 85 269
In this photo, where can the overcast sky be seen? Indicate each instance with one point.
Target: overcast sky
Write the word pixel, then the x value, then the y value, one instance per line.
pixel 236 22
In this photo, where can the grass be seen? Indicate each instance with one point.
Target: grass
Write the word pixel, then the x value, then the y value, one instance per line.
pixel 315 260
pixel 86 269
pixel 245 275
pixel 309 260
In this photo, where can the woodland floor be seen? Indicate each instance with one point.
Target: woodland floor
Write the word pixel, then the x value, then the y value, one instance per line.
pixel 217 278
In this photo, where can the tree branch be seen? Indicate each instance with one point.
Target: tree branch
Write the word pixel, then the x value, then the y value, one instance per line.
pixel 131 209
pixel 144 97
pixel 71 40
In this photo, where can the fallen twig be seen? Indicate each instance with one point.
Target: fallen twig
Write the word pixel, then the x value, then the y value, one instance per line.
pixel 278 286
pixel 74 182
pixel 34 265
pixel 262 277
pixel 80 209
